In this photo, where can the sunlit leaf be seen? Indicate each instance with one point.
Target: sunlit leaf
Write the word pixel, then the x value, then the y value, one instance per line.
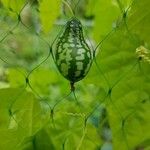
pixel 49 11
pixel 22 117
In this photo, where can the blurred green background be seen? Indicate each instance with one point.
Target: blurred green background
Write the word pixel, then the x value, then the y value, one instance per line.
pixel 38 112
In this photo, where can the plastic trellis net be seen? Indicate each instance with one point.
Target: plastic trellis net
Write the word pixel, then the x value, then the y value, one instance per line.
pixel 37 109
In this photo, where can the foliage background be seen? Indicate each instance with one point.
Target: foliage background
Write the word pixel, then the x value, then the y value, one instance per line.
pixel 37 111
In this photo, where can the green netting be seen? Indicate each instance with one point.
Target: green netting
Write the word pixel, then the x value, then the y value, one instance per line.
pixel 38 110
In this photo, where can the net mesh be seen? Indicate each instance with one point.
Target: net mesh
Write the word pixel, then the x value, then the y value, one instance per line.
pixel 36 101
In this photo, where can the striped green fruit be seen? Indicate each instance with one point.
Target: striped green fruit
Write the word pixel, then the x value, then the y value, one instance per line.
pixel 72 55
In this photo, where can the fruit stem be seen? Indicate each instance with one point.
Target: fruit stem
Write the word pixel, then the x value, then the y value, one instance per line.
pixel 72 86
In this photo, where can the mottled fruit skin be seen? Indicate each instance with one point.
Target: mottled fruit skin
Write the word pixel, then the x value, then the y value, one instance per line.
pixel 72 55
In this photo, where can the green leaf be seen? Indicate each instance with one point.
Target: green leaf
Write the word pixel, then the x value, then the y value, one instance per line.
pixel 22 117
pixel 41 140
pixel 49 11
pixel 104 18
pixel 139 20
pixel 128 104
pixel 15 5
pixel 13 81
pixel 120 66
pixel 70 133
